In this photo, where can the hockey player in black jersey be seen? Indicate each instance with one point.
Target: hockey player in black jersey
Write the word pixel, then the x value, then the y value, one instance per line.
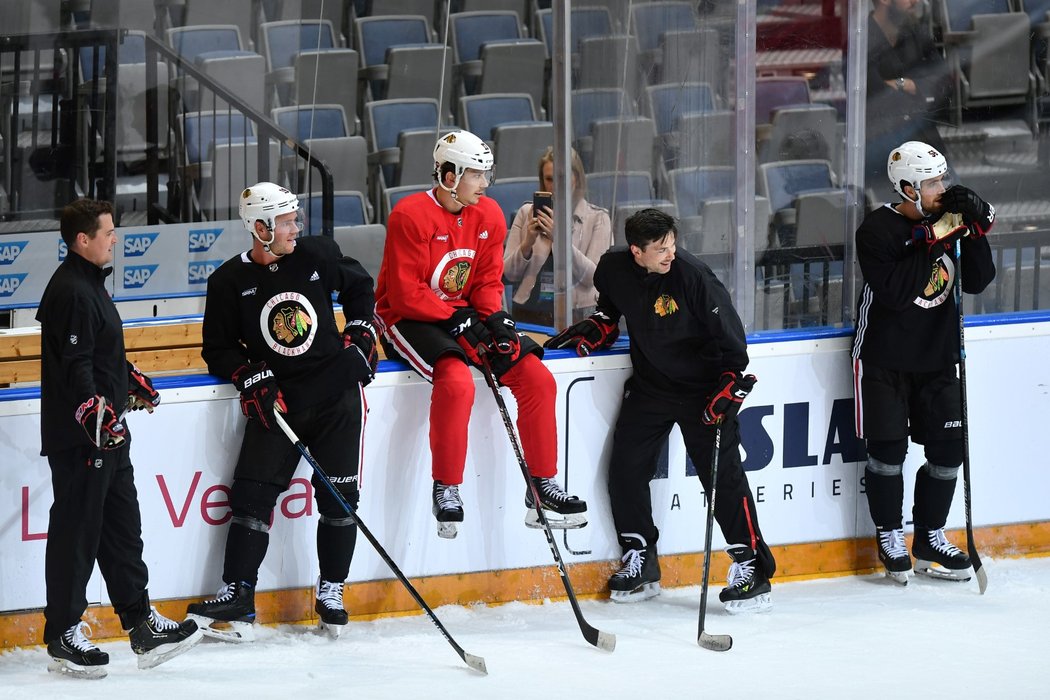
pixel 269 327
pixel 689 353
pixel 906 349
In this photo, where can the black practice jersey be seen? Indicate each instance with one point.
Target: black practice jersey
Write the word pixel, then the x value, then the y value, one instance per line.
pixel 907 319
pixel 81 351
pixel 683 327
pixel 282 314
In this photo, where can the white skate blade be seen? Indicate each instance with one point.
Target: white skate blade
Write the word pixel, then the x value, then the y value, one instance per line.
pixel 760 603
pixel 167 652
pixel 557 521
pixel 68 668
pixel 332 631
pixel 447 531
pixel 236 632
pixel 643 592
pixel 934 570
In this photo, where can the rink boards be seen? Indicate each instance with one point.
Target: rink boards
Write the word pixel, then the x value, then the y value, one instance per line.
pixel 803 459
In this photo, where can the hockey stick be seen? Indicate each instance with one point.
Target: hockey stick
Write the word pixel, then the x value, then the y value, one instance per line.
pixel 475 662
pixel 602 640
pixel 714 642
pixel 971 546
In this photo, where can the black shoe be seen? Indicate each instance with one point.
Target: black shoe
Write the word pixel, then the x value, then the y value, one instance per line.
pixel 448 506
pixel 935 556
pixel 331 615
pixel 893 554
pixel 639 577
pixel 747 588
pixel 562 510
pixel 158 639
pixel 74 654
pixel 229 615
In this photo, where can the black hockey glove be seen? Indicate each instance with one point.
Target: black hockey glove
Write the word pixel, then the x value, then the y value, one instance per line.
pixel 102 425
pixel 939 237
pixel 141 393
pixel 468 330
pixel 259 392
pixel 359 344
pixel 596 332
pixel 504 332
pixel 733 388
pixel 974 210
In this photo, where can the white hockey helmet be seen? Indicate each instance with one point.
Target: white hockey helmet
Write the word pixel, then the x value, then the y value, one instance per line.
pixel 265 201
pixel 464 150
pixel 912 163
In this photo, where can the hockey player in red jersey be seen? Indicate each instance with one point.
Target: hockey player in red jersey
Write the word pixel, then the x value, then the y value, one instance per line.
pixel 439 306
pixel 906 348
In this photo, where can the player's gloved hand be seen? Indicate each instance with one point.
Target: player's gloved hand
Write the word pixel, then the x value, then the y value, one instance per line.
pixel 733 388
pixel 259 392
pixel 468 330
pixel 141 393
pixel 359 345
pixel 504 332
pixel 100 423
pixel 596 332
pixel 974 210
pixel 938 237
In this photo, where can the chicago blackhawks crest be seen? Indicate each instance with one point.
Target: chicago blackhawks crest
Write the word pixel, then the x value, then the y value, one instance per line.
pixel 452 273
pixel 665 305
pixel 942 273
pixel 287 323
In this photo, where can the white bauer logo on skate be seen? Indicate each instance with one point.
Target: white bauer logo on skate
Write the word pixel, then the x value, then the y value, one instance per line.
pixel 305 335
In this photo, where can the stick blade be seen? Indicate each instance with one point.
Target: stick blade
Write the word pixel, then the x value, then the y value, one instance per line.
pixel 982 577
pixel 715 642
pixel 602 640
pixel 475 662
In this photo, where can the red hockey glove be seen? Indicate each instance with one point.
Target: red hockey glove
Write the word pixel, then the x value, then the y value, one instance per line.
pixel 468 330
pixel 359 339
pixel 504 332
pixel 103 427
pixel 733 388
pixel 974 210
pixel 939 237
pixel 141 393
pixel 596 332
pixel 259 392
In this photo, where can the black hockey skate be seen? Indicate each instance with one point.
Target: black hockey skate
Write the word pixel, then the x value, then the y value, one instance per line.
pixel 158 639
pixel 75 655
pixel 938 558
pixel 331 616
pixel 748 589
pixel 639 577
pixel 563 511
pixel 893 554
pixel 448 509
pixel 228 616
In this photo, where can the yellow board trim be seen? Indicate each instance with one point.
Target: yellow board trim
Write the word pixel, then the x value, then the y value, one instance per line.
pixel 386 598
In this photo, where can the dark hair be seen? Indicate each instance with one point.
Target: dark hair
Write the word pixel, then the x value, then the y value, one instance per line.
pixel 649 225
pixel 82 215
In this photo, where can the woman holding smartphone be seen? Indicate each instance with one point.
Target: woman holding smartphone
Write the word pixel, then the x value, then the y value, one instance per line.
pixel 528 262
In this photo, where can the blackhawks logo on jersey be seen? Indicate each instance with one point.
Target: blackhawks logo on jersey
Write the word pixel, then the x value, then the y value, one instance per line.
pixel 452 273
pixel 287 323
pixel 939 285
pixel 665 305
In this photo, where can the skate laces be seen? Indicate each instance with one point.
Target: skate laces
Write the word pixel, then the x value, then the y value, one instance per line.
pixel 76 637
pixel 224 595
pixel 447 497
pixel 632 564
pixel 892 542
pixel 741 573
pixel 161 623
pixel 330 593
pixel 549 490
pixel 939 542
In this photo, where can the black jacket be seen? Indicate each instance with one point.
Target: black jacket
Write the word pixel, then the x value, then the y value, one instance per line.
pixel 282 315
pixel 683 327
pixel 907 319
pixel 81 351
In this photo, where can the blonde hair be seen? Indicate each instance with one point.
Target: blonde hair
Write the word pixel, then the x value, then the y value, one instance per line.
pixel 579 190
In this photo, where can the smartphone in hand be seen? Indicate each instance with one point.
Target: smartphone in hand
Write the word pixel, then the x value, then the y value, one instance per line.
pixel 542 199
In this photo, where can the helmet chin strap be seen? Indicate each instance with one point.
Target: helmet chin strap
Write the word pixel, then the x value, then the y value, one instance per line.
pixel 917 202
pixel 266 244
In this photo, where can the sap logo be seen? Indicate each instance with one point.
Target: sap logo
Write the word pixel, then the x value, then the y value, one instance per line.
pixel 63 250
pixel 136 244
pixel 199 270
pixel 9 252
pixel 136 276
pixel 203 239
pixel 9 284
